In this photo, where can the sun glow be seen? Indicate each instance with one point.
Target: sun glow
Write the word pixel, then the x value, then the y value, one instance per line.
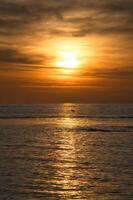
pixel 67 56
pixel 67 60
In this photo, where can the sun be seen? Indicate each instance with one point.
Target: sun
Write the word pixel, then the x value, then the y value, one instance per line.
pixel 67 60
pixel 67 56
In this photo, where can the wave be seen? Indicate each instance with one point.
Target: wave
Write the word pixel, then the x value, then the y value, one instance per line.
pixel 106 129
pixel 57 116
pixel 65 128
pixel 97 129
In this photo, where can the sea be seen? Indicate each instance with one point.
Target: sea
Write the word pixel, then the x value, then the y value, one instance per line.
pixel 66 152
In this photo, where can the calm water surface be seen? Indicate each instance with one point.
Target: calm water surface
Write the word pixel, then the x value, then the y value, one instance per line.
pixel 66 152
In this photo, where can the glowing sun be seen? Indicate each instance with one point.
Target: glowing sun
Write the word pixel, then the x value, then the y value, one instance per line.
pixel 68 56
pixel 67 60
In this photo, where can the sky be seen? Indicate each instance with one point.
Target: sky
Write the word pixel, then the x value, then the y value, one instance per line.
pixel 73 51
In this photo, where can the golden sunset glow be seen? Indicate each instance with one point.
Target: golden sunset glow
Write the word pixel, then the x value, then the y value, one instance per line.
pixel 68 60
pixel 69 55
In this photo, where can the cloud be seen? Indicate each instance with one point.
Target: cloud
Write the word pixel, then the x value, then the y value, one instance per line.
pixel 111 73
pixel 102 17
pixel 17 17
pixel 16 59
pixel 105 17
pixel 10 55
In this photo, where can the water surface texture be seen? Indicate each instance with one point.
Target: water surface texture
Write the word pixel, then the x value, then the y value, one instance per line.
pixel 66 152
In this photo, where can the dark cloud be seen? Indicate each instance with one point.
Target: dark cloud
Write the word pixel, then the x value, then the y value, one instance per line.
pixel 112 16
pixel 19 16
pixel 115 73
pixel 108 17
pixel 10 55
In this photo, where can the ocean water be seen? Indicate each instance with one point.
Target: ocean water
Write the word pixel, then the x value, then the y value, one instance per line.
pixel 66 152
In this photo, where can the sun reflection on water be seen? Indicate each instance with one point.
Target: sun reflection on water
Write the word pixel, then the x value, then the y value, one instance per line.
pixel 69 166
pixel 66 155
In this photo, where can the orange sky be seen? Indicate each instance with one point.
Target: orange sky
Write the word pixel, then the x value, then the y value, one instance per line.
pixel 66 51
